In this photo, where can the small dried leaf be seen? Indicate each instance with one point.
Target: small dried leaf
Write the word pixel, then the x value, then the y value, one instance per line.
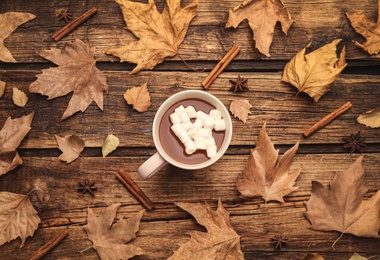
pixel 356 256
pixel 19 98
pixel 9 22
pixel 314 72
pixel 138 97
pixel 241 108
pixel 313 256
pixel 370 118
pixel 18 218
pixel 2 88
pixel 71 147
pixel 110 240
pixel 110 144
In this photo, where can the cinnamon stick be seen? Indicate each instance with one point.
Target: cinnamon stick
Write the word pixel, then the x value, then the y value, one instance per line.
pixel 49 245
pixel 222 64
pixel 327 119
pixel 68 28
pixel 134 189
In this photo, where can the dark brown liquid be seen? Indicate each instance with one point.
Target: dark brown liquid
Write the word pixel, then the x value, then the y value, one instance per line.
pixel 173 146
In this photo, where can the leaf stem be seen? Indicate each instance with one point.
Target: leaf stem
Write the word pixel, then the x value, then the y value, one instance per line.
pixel 332 246
pixel 187 65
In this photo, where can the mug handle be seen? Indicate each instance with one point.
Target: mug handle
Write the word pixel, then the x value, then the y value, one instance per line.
pixel 151 166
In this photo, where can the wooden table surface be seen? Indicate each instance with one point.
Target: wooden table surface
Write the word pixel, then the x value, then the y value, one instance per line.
pixel 163 229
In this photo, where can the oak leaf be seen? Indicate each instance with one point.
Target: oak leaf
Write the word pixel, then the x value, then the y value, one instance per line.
pixel 11 135
pixel 314 72
pixel 138 97
pixel 110 144
pixel 370 118
pixel 369 29
pixel 262 16
pixel 19 97
pixel 110 241
pixel 160 34
pixel 76 72
pixel 2 88
pixel 241 108
pixel 342 208
pixel 9 22
pixel 18 218
pixel 265 175
pixel 71 147
pixel 219 242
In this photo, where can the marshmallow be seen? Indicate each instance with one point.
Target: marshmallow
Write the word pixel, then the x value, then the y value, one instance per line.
pixel 190 147
pixel 220 125
pixel 211 151
pixel 187 126
pixel 193 132
pixel 179 110
pixel 209 142
pixel 198 123
pixel 209 122
pixel 204 132
pixel 201 115
pixel 177 129
pixel 184 137
pixel 200 143
pixel 190 111
pixel 184 117
pixel 174 118
pixel 216 114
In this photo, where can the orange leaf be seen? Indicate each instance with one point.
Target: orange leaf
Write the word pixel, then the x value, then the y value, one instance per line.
pixel 138 97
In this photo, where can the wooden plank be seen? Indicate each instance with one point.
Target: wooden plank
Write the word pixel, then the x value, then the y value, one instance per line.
pixel 207 39
pixel 165 227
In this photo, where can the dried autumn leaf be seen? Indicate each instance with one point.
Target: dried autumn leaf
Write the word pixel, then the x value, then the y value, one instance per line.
pixel 342 208
pixel 265 175
pixel 110 144
pixel 219 242
pixel 9 22
pixel 2 88
pixel 18 218
pixel 369 29
pixel 370 118
pixel 11 135
pixel 110 241
pixel 19 98
pixel 356 256
pixel 71 147
pixel 76 72
pixel 138 97
pixel 241 108
pixel 314 72
pixel 262 16
pixel 160 34
pixel 313 256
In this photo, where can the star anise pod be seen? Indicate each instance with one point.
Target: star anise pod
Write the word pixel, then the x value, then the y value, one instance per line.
pixel 354 142
pixel 279 241
pixel 239 85
pixel 65 15
pixel 87 186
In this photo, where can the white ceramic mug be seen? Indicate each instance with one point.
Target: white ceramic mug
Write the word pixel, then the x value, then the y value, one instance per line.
pixel 160 159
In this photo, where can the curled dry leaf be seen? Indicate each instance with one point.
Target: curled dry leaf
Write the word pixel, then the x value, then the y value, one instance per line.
pixel 370 118
pixel 2 88
pixel 110 144
pixel 11 135
pixel 262 16
pixel 139 97
pixel 9 22
pixel 160 34
pixel 219 242
pixel 71 147
pixel 314 72
pixel 19 98
pixel 369 29
pixel 110 241
pixel 241 108
pixel 265 175
pixel 76 72
pixel 342 208
pixel 18 218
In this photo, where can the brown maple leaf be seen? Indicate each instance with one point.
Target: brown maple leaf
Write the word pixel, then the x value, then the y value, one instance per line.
pixel 138 97
pixel 11 135
pixel 314 72
pixel 159 34
pixel 262 16
pixel 9 22
pixel 76 72
pixel 265 175
pixel 71 147
pixel 342 208
pixel 369 29
pixel 241 108
pixel 110 241
pixel 219 242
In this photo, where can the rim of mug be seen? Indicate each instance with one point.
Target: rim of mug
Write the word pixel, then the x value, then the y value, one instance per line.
pixel 186 94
